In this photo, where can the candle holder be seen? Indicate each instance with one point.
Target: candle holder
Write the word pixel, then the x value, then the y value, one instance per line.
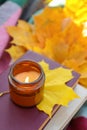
pixel 28 93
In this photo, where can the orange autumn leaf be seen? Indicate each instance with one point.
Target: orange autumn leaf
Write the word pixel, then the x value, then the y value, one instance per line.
pixel 57 36
pixel 22 35
pixel 47 25
pixel 76 60
pixel 83 81
pixel 55 89
pixel 71 63
pixel 54 46
pixel 83 70
pixel 25 26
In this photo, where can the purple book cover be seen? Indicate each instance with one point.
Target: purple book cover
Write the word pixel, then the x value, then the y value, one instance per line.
pixel 13 117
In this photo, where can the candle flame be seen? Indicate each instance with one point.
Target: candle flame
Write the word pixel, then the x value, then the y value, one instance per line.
pixel 27 79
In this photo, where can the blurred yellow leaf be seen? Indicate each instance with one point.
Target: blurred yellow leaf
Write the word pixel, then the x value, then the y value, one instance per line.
pixel 56 91
pixel 24 25
pixel 77 62
pixel 58 33
pixel 77 10
pixel 83 70
pixel 16 51
pixel 22 35
pixel 83 81
pixel 47 25
pixel 54 46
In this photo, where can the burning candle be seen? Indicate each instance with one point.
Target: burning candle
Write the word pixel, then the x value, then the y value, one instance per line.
pixel 26 83
pixel 27 77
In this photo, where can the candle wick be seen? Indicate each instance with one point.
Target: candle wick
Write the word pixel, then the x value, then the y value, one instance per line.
pixel 27 79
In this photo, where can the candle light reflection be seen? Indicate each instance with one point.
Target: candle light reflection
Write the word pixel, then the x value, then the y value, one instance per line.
pixel 27 79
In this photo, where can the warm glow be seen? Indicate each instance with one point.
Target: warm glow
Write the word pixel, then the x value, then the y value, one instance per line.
pixel 27 79
pixel 84 32
pixel 56 3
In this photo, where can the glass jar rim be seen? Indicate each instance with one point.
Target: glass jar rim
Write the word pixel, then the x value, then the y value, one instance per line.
pixel 22 83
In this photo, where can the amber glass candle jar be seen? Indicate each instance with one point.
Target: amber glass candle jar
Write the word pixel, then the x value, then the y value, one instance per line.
pixel 26 83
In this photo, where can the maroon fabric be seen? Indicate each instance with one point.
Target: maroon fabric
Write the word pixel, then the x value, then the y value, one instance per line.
pixel 79 123
pixel 4 61
pixel 13 117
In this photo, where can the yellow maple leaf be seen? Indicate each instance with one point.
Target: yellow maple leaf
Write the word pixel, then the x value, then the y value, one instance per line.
pixel 56 91
pixel 25 26
pixel 77 10
pixel 54 46
pixel 16 51
pixel 58 35
pixel 22 35
pixel 47 25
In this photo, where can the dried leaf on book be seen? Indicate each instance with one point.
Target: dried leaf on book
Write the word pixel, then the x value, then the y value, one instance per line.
pixel 56 91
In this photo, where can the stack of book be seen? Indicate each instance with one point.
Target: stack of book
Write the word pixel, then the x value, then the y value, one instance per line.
pixel 14 117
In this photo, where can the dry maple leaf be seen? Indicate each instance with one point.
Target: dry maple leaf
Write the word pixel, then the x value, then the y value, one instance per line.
pixel 55 90
pixel 77 10
pixel 47 25
pixel 22 35
pixel 16 51
pixel 58 35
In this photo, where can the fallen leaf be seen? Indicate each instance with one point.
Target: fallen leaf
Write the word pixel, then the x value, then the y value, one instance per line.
pixel 25 26
pixel 77 10
pixel 61 36
pixel 83 70
pixel 16 51
pixel 55 90
pixel 22 35
pixel 83 81
pixel 47 25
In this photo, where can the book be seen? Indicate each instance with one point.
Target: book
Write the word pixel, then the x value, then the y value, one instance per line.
pixel 64 114
pixel 14 117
